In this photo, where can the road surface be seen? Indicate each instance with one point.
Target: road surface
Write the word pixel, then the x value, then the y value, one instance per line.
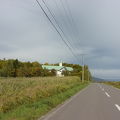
pixel 96 102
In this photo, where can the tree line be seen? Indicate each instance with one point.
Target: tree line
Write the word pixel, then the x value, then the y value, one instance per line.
pixel 16 68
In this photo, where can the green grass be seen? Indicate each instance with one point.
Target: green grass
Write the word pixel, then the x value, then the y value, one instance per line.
pixel 115 84
pixel 50 97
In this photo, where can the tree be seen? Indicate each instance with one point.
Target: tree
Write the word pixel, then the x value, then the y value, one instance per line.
pixel 53 72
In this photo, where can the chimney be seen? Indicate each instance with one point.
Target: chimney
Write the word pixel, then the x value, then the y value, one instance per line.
pixel 60 64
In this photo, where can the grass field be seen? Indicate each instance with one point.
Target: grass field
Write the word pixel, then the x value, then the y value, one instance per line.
pixel 30 98
pixel 115 84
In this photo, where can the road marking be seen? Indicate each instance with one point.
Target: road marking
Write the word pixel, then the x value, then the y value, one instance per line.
pixel 55 110
pixel 107 94
pixel 117 106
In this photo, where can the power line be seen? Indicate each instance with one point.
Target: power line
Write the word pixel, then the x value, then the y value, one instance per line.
pixel 65 11
pixel 63 18
pixel 52 14
pixel 57 23
pixel 72 19
pixel 56 29
pixel 67 18
pixel 68 14
pixel 59 26
pixel 71 22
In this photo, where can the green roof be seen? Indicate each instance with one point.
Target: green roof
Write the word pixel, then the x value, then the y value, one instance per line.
pixel 56 67
pixel 69 68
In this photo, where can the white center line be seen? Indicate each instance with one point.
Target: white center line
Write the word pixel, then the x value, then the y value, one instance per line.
pixel 117 106
pixel 107 94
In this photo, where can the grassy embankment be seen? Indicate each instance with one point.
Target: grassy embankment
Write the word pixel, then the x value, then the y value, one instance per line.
pixel 30 98
pixel 115 84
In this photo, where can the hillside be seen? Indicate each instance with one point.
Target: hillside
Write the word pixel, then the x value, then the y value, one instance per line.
pixel 95 79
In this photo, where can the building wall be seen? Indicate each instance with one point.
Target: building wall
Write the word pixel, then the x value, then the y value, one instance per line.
pixel 60 64
pixel 59 73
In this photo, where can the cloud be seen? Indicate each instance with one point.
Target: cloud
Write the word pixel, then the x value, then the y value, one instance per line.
pixel 106 73
pixel 6 48
pixel 25 33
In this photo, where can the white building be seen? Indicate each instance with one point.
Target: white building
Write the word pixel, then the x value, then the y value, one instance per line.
pixel 59 69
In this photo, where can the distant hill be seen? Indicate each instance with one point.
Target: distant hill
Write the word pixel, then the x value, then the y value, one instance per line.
pixel 112 79
pixel 97 79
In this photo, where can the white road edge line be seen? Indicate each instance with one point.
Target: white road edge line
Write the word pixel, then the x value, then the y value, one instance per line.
pixel 117 106
pixel 107 94
pixel 55 110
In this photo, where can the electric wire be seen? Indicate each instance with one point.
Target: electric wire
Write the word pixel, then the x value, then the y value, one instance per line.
pixel 67 28
pixel 56 30
pixel 52 14
pixel 72 20
pixel 74 35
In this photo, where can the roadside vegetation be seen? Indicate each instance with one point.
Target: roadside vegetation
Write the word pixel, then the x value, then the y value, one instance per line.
pixel 16 68
pixel 115 84
pixel 30 98
pixel 27 91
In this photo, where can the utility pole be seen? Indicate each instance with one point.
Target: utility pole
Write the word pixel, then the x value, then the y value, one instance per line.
pixel 88 75
pixel 82 55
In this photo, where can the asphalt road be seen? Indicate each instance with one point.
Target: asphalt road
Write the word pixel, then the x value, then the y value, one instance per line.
pixel 96 102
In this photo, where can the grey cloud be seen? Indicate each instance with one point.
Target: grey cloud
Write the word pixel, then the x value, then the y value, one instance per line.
pixel 6 48
pixel 25 32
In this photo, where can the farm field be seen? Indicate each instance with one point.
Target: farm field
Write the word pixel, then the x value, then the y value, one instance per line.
pixel 115 84
pixel 30 98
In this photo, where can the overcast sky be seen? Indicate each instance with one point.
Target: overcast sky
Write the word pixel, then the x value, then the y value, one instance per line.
pixel 26 34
